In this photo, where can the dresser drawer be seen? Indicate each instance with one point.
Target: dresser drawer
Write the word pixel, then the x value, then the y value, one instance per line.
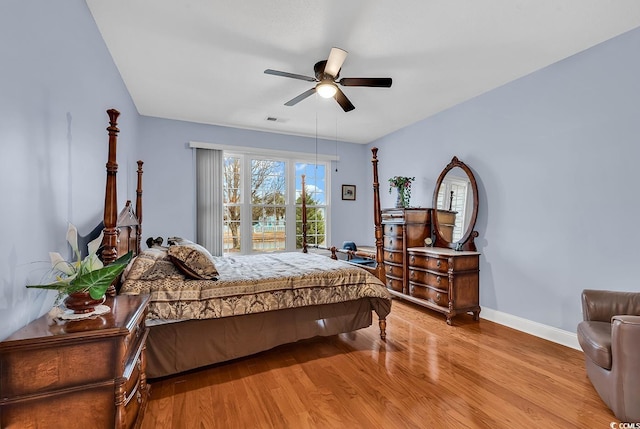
pixel 429 262
pixel 393 229
pixel 393 243
pixel 393 270
pixel 426 278
pixel 394 284
pixel 393 257
pixel 428 294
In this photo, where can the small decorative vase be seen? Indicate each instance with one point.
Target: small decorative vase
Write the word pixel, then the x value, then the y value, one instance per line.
pixel 81 302
pixel 401 201
pixel 398 199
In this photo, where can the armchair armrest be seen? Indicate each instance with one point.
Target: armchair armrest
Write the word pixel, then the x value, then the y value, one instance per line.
pixel 602 305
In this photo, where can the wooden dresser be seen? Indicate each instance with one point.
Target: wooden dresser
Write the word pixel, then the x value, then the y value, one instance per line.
pixel 402 228
pixel 77 374
pixel 444 280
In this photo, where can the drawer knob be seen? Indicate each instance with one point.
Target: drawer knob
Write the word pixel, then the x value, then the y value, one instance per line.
pixel 438 263
pixel 412 274
pixel 438 279
pixel 412 259
pixel 438 297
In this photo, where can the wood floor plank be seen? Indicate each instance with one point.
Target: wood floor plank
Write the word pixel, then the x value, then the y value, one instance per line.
pixel 426 374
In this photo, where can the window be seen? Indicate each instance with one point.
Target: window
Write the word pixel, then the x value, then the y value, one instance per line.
pixel 262 194
pixel 316 201
pixel 268 205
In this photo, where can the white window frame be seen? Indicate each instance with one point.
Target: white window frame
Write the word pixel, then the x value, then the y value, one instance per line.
pixel 290 159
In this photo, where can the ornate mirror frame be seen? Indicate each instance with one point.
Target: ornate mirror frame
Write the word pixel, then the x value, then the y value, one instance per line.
pixel 467 240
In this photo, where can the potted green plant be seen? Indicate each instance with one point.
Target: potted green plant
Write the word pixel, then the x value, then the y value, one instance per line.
pixel 83 281
pixel 403 185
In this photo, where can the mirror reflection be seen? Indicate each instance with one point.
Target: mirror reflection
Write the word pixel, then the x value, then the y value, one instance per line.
pixel 454 204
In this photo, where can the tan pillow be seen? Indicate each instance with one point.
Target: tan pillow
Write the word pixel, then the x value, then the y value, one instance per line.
pixel 152 264
pixel 193 260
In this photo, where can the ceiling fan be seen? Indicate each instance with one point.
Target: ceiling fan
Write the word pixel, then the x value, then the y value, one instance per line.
pixel 326 75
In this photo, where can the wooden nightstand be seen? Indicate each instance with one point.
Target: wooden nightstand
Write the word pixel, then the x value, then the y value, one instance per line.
pixel 77 374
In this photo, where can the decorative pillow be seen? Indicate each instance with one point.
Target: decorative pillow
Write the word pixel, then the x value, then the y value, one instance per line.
pixel 193 260
pixel 152 264
pixel 171 241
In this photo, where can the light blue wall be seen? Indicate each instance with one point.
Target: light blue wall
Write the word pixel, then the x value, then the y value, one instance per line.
pixel 169 175
pixel 556 158
pixel 555 155
pixel 57 80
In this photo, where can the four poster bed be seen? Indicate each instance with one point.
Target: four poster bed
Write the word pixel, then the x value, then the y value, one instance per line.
pixel 205 309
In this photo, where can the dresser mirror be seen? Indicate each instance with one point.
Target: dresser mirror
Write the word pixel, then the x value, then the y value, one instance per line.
pixel 456 199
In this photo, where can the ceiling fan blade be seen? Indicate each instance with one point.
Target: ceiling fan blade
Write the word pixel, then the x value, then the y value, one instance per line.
pixel 335 61
pixel 300 97
pixel 291 75
pixel 343 101
pixel 381 82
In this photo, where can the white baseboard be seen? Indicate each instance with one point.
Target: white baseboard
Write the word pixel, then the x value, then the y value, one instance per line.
pixel 550 333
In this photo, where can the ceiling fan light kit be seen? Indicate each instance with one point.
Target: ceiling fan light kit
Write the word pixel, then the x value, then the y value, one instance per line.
pixel 326 75
pixel 326 89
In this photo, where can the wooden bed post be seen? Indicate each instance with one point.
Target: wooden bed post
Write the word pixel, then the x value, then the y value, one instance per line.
pixel 303 195
pixel 139 207
pixel 110 240
pixel 377 219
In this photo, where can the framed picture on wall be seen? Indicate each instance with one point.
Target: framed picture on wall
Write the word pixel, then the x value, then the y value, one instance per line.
pixel 349 192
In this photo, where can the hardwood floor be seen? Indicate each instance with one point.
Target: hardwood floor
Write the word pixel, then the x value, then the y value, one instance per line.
pixel 426 375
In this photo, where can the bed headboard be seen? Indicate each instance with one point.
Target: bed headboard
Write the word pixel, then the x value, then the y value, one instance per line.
pixel 122 229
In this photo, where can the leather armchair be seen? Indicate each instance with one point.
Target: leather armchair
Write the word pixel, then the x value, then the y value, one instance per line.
pixel 610 338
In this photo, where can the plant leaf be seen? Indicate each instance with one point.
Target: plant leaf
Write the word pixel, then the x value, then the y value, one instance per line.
pixel 72 238
pixel 94 245
pixel 97 282
pixel 58 263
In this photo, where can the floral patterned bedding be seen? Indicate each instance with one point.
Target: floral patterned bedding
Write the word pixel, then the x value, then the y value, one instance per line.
pixel 248 284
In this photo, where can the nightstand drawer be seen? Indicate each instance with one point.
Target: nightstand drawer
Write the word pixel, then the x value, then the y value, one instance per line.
pixel 133 339
pixel 41 369
pixel 133 402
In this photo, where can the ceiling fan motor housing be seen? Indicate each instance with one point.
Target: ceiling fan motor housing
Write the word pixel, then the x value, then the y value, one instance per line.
pixel 318 68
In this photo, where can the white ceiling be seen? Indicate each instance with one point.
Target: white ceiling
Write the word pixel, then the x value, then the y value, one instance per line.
pixel 203 60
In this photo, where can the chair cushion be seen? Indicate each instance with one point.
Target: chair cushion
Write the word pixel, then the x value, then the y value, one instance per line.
pixel 595 340
pixel 362 261
pixel 349 245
